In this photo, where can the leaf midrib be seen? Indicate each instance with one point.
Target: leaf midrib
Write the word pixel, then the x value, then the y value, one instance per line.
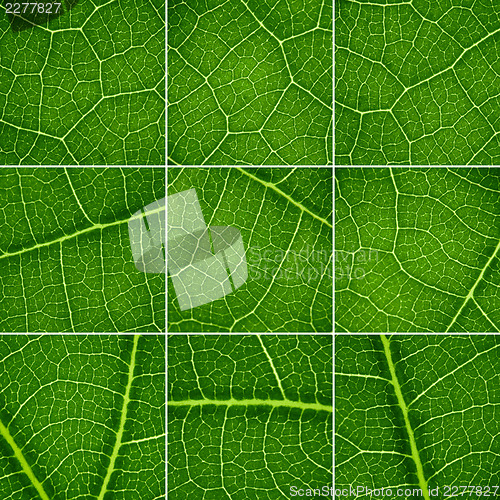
pixel 275 403
pixel 80 233
pixel 404 409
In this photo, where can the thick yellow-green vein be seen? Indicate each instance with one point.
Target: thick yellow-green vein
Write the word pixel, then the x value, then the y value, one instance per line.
pixel 123 419
pixel 24 464
pixel 404 409
pixel 282 193
pixel 275 403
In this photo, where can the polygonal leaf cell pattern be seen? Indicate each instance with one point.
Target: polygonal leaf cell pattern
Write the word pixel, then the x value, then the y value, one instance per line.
pixel 417 82
pixel 250 82
pixel 66 259
pixel 249 416
pixel 82 417
pixel 279 257
pixel 417 249
pixel 86 87
pixel 417 413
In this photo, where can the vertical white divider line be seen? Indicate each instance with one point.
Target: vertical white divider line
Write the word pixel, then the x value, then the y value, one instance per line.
pixel 333 80
pixel 166 88
pixel 334 263
pixel 165 246
pixel 333 240
pixel 165 338
pixel 333 248
pixel 333 411
pixel 166 412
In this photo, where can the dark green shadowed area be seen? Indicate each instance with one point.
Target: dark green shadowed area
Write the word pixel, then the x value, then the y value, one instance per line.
pixel 25 15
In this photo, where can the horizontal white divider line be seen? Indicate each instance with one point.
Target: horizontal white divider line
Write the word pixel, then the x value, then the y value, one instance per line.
pixel 276 403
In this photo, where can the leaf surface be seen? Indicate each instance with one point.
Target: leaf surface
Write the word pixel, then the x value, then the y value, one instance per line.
pixel 284 216
pixel 417 82
pixel 66 263
pixel 82 417
pixel 418 411
pixel 250 82
pixel 249 416
pixel 417 250
pixel 86 88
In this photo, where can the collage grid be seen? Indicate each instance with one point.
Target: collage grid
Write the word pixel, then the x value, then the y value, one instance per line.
pixel 176 323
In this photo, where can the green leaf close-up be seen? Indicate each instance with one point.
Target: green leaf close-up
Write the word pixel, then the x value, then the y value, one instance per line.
pixel 418 414
pixel 417 249
pixel 248 416
pixel 250 82
pixel 417 82
pixel 66 263
pixel 82 417
pixel 86 87
pixel 284 216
